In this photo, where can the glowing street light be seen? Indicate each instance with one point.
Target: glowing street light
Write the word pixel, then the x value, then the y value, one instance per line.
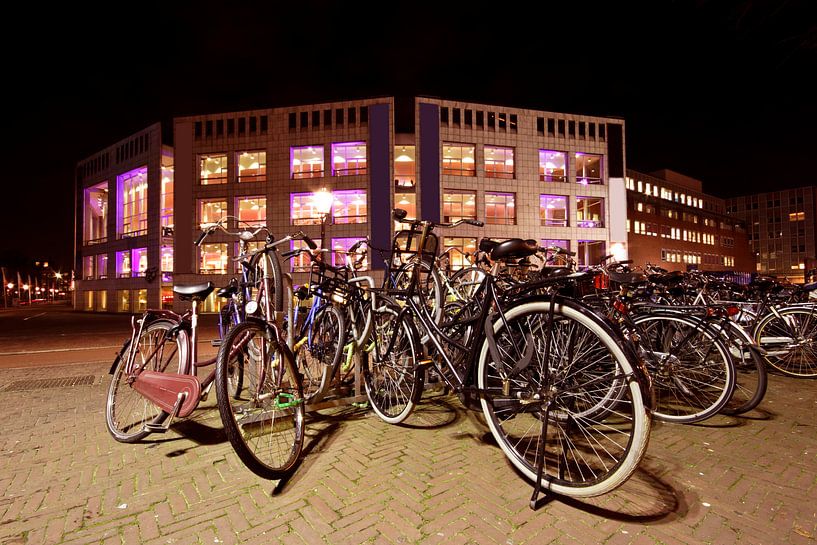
pixel 323 201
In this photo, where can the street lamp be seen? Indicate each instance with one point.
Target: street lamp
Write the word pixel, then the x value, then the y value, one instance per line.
pixel 323 200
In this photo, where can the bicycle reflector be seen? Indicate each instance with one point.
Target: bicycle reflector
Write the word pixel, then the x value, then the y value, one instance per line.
pixel 601 282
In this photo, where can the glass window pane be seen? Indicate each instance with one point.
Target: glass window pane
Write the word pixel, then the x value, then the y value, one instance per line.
pixel 132 201
pixel 211 211
pixel 350 206
pixel 458 159
pixel 552 166
pixel 95 228
pixel 306 162
pixel 213 169
pixel 499 162
pixel 588 169
pixel 252 166
pixel 500 208
pixel 213 258
pixel 589 212
pixel 459 205
pixel 252 211
pixel 349 158
pixel 553 210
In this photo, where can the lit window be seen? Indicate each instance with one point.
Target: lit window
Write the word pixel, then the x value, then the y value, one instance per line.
pixel 166 196
pixel 166 257
pixel 123 266
pixel 463 245
pixel 553 210
pixel 349 158
pixel 350 206
pixel 95 227
pixel 213 169
pixel 252 211
pixel 302 209
pixel 406 199
pixel 102 266
pixel 404 164
pixel 211 211
pixel 301 262
pixel 590 252
pixel 458 159
pixel 141 297
pixel 459 205
pixel 88 267
pixel 552 166
pixel 500 208
pixel 306 162
pixel 252 166
pixel 553 259
pixel 498 162
pixel 213 258
pixel 589 212
pixel 588 169
pixel 123 300
pixel 132 201
pixel 797 216
pixel 102 300
pixel 139 261
pixel 340 248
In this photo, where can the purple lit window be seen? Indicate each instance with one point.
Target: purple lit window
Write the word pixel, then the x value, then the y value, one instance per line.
pixel 102 266
pixel 552 166
pixel 132 203
pixel 458 159
pixel 500 208
pixel 95 229
pixel 252 166
pixel 340 248
pixel 166 257
pixel 349 158
pixel 123 267
pixel 498 162
pixel 88 267
pixel 302 209
pixel 588 168
pixel 554 259
pixel 213 169
pixel 589 212
pixel 139 261
pixel 350 206
pixel 306 162
pixel 553 210
pixel 166 204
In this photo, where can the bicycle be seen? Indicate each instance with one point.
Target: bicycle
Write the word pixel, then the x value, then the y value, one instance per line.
pixel 549 373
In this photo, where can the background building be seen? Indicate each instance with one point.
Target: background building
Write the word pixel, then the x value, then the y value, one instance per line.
pixel 674 224
pixel 781 230
pixel 558 178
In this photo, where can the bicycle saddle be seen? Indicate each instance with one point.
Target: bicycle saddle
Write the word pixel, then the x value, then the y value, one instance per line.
pixel 514 248
pixel 668 278
pixel 627 277
pixel 194 291
pixel 487 245
pixel 228 290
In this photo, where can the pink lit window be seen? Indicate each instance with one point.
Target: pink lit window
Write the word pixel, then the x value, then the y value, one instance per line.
pixel 302 209
pixel 166 255
pixel 252 166
pixel 132 203
pixel 340 248
pixel 306 162
pixel 95 227
pixel 213 259
pixel 588 168
pixel 139 261
pixel 123 267
pixel 459 205
pixel 349 158
pixel 211 211
pixel 552 166
pixel 213 169
pixel 166 196
pixel 350 206
pixel 301 262
pixel 252 211
pixel 498 162
pixel 102 266
pixel 553 210
pixel 500 209
pixel 458 159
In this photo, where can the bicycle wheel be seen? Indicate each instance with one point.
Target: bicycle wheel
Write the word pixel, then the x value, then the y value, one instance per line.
pixel 318 358
pixel 790 340
pixel 581 411
pixel 429 286
pixel 126 410
pixel 391 377
pixel 750 372
pixel 255 278
pixel 693 374
pixel 465 282
pixel 260 399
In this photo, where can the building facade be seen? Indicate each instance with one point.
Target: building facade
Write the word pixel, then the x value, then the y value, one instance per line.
pixel 781 228
pixel 672 223
pixel 558 178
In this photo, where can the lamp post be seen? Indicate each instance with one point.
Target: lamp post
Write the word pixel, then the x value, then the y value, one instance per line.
pixel 323 200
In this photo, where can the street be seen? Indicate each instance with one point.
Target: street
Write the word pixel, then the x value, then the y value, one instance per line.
pixel 438 479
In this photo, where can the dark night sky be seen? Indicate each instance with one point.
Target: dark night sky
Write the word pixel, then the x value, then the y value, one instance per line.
pixel 718 90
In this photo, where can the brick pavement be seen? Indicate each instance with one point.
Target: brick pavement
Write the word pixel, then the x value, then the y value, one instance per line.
pixel 438 480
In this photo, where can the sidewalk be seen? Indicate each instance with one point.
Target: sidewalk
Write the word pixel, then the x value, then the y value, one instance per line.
pixel 438 480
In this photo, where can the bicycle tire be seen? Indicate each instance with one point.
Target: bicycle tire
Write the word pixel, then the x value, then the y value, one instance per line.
pixel 598 422
pixel 256 277
pixel 692 381
pixel 465 282
pixel 260 399
pixel 430 286
pixel 790 340
pixel 751 378
pixel 126 410
pixel 318 358
pixel 392 379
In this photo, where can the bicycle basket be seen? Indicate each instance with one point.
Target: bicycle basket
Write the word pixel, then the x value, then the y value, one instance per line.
pixel 329 283
pixel 405 245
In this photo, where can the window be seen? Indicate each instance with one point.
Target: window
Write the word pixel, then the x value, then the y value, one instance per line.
pixel 302 209
pixel 458 159
pixel 500 208
pixel 139 261
pixel 123 300
pixel 213 258
pixel 252 210
pixel 349 158
pixel 306 162
pixel 350 206
pixel 553 210
pixel 463 245
pixel 301 262
pixel 88 267
pixel 95 228
pixel 166 195
pixel 340 247
pixel 166 257
pixel 589 212
pixel 553 259
pixel 213 169
pixel 498 162
pixel 588 169
pixel 132 201
pixel 123 264
pixel 459 205
pixel 102 266
pixel 797 216
pixel 211 211
pixel 89 300
pixel 141 297
pixel 590 252
pixel 404 181
pixel 102 300
pixel 252 166
pixel 552 166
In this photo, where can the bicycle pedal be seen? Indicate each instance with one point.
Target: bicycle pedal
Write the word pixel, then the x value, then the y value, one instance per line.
pixel 215 343
pixel 155 428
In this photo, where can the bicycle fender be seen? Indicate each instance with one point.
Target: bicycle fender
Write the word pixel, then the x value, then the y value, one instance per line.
pixel 118 357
